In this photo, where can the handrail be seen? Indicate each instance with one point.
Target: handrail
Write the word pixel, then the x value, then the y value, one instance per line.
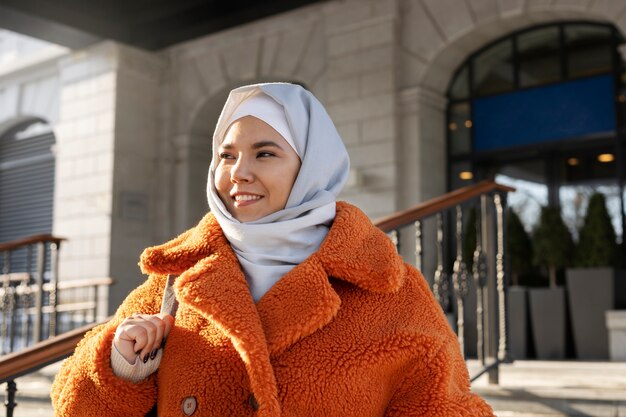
pixel 42 354
pixel 430 207
pixel 30 240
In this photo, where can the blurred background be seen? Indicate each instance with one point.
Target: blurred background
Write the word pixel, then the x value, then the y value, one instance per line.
pixel 107 111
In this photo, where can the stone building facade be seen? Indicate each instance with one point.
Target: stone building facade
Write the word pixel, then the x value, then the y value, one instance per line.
pixel 133 128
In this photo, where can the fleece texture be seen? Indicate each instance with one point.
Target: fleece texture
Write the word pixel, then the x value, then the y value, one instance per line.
pixel 352 332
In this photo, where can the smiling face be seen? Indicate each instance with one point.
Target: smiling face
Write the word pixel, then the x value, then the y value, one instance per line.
pixel 256 169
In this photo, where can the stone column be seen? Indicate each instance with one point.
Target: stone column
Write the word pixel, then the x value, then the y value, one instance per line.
pixel 361 97
pixel 106 162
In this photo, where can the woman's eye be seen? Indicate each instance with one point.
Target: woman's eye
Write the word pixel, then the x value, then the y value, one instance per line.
pixel 225 155
pixel 265 154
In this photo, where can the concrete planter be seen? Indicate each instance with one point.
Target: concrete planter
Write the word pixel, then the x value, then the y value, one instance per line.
pixel 591 292
pixel 517 313
pixel 547 312
pixel 616 326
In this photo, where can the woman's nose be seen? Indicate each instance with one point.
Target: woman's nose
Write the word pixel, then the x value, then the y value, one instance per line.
pixel 241 171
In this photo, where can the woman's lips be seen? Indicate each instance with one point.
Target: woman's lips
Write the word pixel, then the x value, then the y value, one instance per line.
pixel 242 200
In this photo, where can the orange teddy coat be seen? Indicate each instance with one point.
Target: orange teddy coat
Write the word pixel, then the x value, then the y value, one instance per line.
pixel 352 331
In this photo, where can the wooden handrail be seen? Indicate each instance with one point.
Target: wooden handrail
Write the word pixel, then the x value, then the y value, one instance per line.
pixel 30 240
pixel 42 354
pixel 435 205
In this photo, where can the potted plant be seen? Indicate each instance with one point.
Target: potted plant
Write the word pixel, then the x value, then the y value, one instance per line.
pixel 519 256
pixel 552 244
pixel 591 284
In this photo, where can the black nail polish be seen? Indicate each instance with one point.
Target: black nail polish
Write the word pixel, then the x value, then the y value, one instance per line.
pixel 153 354
pixel 145 358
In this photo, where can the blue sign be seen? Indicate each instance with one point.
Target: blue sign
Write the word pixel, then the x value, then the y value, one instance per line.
pixel 555 112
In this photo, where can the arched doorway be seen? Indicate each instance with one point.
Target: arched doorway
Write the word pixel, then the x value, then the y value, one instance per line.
pixel 27 167
pixel 542 109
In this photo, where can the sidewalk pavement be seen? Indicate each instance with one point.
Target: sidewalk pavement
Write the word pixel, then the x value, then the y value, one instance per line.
pixel 556 388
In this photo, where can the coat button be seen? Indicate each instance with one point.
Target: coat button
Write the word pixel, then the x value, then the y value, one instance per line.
pixel 253 403
pixel 189 405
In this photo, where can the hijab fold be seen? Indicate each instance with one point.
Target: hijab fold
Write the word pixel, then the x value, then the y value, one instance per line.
pixel 270 247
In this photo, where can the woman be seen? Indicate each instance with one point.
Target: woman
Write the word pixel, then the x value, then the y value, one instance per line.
pixel 289 304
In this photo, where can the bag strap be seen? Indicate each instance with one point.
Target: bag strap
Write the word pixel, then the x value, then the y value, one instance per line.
pixel 169 304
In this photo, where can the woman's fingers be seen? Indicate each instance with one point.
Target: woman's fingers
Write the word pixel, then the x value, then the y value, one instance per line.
pixel 143 335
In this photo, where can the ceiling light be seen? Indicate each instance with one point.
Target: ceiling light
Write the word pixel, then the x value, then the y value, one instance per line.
pixel 466 175
pixel 606 157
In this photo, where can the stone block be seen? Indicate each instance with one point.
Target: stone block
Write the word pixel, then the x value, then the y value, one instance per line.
pixel 412 68
pixel 616 325
pixel 372 155
pixel 314 61
pixel 293 46
pixel 380 33
pixel 509 7
pixel 379 129
pixel 483 10
pixel 451 16
pixel 343 88
pixel 268 49
pixel 609 8
pixel 349 132
pixel 343 43
pixel 363 61
pixel 240 60
pixel 342 15
pixel 362 108
pixel 418 32
pixel 378 177
pixel 578 4
pixel 105 122
pixel 374 203
pixel 377 82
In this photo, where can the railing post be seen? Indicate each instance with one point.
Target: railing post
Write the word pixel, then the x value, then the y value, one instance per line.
pixel 418 245
pixel 491 296
pixel 459 279
pixel 10 403
pixel 440 283
pixel 54 271
pixel 500 203
pixel 6 313
pixel 41 260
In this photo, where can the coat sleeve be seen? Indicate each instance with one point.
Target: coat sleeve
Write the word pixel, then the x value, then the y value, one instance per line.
pixel 439 388
pixel 86 386
pixel 434 381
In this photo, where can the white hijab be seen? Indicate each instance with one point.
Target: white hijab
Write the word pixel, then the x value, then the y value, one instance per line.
pixel 270 247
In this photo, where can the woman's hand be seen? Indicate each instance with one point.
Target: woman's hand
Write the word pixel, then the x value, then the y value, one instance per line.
pixel 142 334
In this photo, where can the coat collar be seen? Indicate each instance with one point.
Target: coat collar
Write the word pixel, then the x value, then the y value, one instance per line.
pixel 303 301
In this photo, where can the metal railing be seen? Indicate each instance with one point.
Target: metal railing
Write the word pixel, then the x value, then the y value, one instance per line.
pixel 453 281
pixel 37 306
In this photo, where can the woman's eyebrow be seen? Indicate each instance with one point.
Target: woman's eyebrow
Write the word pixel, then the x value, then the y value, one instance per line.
pixel 264 143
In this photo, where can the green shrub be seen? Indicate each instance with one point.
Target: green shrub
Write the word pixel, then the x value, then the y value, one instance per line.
pixel 552 242
pixel 596 244
pixel 519 247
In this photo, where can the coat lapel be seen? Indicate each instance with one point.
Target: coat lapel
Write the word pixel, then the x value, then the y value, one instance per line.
pixel 302 302
pixel 215 287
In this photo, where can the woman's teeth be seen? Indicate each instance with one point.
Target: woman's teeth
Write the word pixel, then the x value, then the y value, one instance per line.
pixel 247 197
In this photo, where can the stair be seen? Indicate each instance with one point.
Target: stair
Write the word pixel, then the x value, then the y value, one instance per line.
pixel 556 388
